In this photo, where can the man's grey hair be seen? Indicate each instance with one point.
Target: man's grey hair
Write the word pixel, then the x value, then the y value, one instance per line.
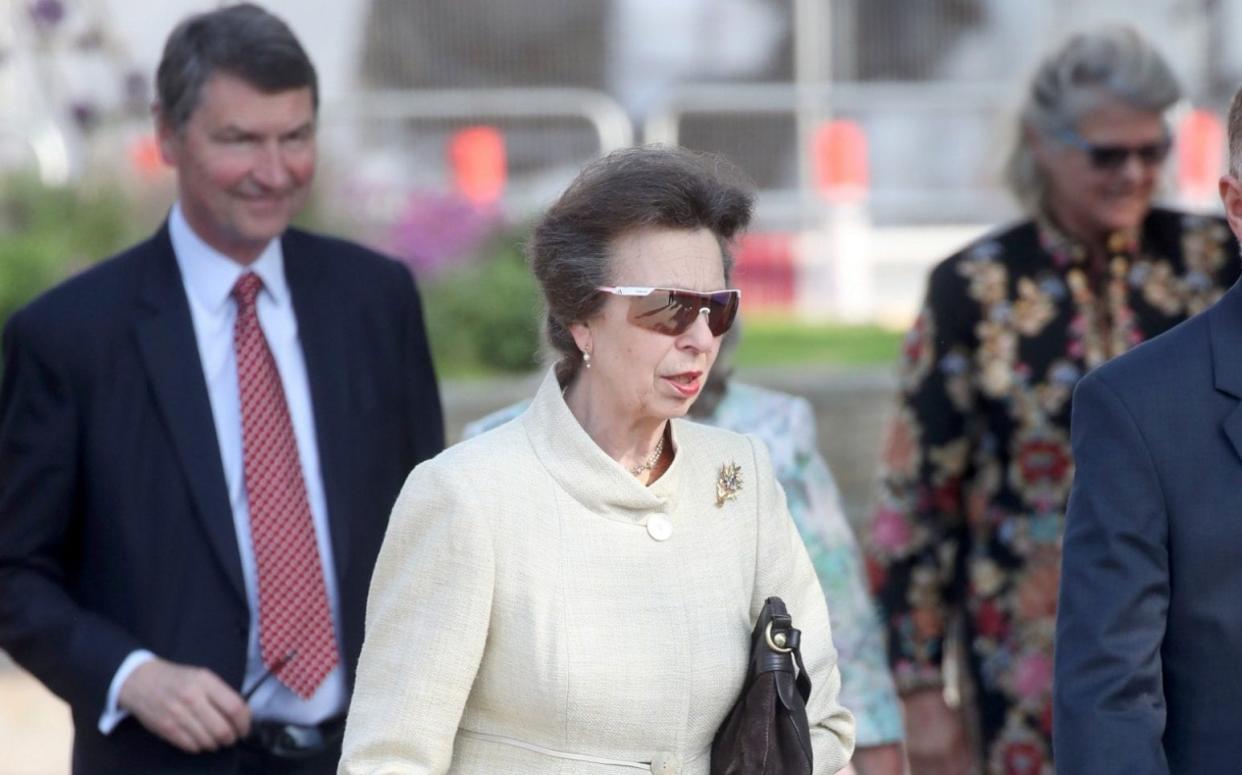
pixel 1087 71
pixel 1235 135
pixel 243 41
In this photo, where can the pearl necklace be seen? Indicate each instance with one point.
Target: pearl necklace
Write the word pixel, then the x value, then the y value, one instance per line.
pixel 650 462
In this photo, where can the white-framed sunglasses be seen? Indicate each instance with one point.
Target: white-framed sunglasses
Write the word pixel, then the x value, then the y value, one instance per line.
pixel 672 311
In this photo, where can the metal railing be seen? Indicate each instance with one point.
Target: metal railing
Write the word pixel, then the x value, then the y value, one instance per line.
pixel 612 126
pixel 985 104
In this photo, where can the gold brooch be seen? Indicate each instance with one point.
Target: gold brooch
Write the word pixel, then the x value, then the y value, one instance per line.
pixel 728 483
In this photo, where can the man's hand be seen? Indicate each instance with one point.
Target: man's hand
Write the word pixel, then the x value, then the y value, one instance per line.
pixel 935 735
pixel 190 707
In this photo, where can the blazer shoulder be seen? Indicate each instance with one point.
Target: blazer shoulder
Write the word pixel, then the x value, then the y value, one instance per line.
pixel 699 435
pixel 501 455
pixel 342 256
pixel 709 445
pixel 359 278
pixel 84 305
pixel 999 243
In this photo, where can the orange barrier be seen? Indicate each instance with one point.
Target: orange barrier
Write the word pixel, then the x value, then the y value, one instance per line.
pixel 839 155
pixel 477 157
pixel 1200 156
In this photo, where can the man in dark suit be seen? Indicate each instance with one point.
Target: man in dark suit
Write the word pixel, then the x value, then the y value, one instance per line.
pixel 201 439
pixel 1149 629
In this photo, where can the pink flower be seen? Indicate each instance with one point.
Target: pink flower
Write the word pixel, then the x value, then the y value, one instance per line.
pixel 1022 758
pixel 900 452
pixel 435 231
pixel 889 530
pixel 1033 675
pixel 1044 462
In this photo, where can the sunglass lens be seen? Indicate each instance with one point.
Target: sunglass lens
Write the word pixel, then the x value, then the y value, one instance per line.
pixel 674 312
pixel 1111 157
pixel 1155 152
pixel 723 311
pixel 662 311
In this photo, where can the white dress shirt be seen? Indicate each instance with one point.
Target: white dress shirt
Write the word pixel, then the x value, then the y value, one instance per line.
pixel 209 277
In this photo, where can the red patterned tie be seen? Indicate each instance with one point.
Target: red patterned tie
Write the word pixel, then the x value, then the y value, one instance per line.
pixel 295 625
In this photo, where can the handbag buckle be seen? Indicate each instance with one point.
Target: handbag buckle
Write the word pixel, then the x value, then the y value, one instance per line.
pixel 777 641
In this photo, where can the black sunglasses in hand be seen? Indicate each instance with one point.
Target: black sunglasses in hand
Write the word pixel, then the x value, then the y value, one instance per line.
pixel 269 673
pixel 288 741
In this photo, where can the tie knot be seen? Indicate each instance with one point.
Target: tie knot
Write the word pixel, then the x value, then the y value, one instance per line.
pixel 247 289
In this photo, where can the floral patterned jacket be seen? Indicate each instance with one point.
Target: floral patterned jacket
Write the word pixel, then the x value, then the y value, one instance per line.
pixel 976 469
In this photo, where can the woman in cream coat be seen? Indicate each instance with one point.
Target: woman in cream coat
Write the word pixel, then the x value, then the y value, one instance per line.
pixel 574 591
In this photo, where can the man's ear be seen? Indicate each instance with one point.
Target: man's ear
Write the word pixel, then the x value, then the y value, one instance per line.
pixel 167 136
pixel 1231 197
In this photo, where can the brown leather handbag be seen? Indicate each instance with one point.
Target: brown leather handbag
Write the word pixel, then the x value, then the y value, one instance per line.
pixel 766 731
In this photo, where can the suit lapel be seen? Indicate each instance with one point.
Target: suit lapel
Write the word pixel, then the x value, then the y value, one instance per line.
pixel 169 350
pixel 1225 326
pixel 322 333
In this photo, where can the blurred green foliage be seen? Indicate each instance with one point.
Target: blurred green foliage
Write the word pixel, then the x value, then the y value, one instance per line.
pixel 781 341
pixel 47 233
pixel 483 316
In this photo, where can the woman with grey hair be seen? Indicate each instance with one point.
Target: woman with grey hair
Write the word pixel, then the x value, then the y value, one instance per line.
pixel 977 467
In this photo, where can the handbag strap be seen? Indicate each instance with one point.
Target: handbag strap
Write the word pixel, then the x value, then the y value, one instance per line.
pixel 803 680
pixel 783 646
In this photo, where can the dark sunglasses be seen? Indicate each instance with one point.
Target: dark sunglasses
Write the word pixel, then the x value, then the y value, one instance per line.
pixel 672 311
pixel 1112 157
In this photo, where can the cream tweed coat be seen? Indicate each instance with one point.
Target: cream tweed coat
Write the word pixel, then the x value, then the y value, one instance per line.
pixel 537 610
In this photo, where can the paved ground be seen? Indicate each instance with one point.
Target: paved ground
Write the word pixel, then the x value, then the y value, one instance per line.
pixel 851 410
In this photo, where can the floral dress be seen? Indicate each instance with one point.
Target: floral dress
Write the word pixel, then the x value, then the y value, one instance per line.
pixel 976 469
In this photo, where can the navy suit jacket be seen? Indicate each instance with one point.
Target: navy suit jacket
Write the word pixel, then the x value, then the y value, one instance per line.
pixel 116 531
pixel 1149 628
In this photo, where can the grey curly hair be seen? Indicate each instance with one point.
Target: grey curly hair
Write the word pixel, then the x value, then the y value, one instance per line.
pixel 1090 68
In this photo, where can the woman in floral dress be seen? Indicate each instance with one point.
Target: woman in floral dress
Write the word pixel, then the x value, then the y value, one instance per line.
pixel 977 465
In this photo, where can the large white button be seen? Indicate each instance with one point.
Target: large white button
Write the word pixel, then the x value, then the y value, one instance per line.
pixel 665 764
pixel 659 527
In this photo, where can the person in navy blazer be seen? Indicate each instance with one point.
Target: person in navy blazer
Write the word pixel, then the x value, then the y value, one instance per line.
pixel 126 571
pixel 1149 628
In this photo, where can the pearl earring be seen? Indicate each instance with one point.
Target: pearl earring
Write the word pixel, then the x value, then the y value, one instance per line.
pixel 586 359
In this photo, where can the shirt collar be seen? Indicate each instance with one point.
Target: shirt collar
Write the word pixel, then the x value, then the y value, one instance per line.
pixel 209 275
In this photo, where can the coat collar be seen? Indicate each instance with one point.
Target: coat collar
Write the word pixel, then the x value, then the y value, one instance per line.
pixel 585 471
pixel 329 343
pixel 165 335
pixel 1225 331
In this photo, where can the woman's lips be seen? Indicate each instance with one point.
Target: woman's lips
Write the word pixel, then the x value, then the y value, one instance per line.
pixel 687 384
